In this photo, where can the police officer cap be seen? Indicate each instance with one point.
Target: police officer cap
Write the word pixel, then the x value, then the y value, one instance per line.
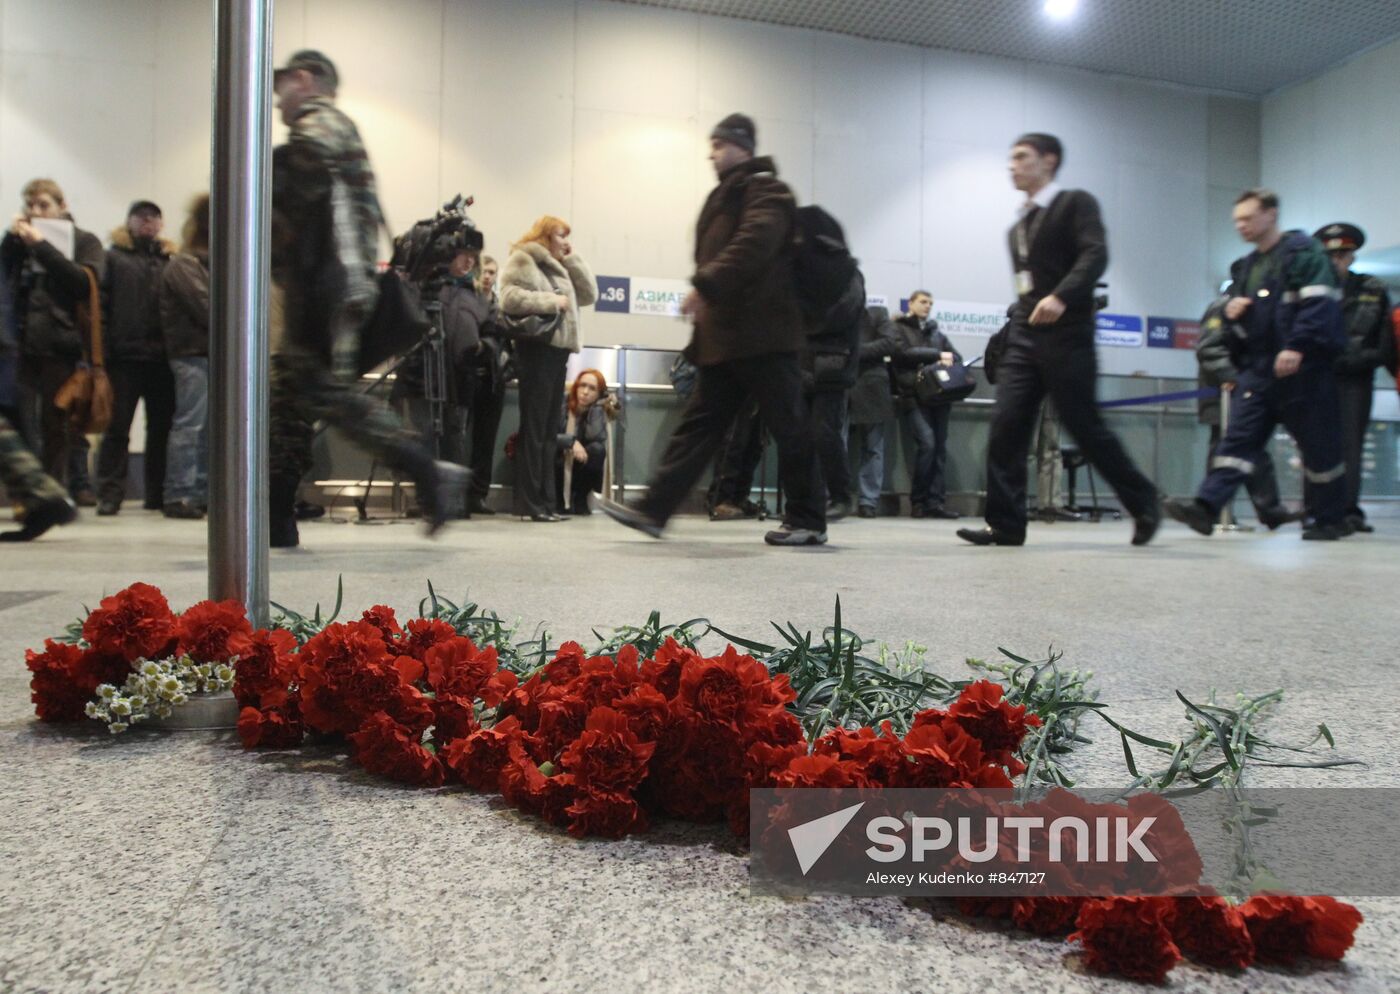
pixel 313 62
pixel 1340 237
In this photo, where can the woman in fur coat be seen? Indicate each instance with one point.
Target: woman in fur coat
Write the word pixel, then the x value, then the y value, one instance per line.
pixel 543 277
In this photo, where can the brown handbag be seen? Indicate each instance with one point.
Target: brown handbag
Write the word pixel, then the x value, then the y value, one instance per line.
pixel 87 395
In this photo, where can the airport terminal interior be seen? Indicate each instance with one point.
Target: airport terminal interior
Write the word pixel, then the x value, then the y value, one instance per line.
pixel 348 803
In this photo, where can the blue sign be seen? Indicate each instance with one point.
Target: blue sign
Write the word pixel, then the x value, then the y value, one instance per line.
pixel 1161 333
pixel 1122 330
pixel 614 294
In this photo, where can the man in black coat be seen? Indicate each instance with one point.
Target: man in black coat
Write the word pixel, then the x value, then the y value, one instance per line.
pixel 747 338
pixel 830 364
pixel 1058 252
pixel 135 352
pixel 872 404
pixel 920 343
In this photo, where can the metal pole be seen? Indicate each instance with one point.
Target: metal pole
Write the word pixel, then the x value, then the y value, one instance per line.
pixel 238 298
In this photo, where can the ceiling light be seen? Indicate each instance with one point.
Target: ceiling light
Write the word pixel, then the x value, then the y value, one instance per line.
pixel 1061 9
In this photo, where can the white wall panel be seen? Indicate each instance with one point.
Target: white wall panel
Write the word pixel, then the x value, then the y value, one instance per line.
pixel 761 70
pixel 634 59
pixel 973 99
pixel 867 91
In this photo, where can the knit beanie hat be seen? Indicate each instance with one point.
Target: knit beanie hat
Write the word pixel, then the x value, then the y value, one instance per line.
pixel 737 129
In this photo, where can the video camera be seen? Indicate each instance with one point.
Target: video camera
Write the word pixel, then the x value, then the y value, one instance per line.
pixel 424 252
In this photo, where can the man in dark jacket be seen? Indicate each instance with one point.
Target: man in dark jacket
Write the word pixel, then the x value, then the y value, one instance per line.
pixel 135 353
pixel 1366 315
pixel 919 343
pixel 1218 369
pixel 48 284
pixel 1284 297
pixel 43 498
pixel 747 339
pixel 829 367
pixel 1058 251
pixel 872 404
pixel 490 368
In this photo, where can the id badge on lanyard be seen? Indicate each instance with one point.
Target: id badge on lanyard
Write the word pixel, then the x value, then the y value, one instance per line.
pixel 1025 283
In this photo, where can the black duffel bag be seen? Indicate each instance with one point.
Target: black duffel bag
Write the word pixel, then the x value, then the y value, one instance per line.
pixel 939 384
pixel 530 329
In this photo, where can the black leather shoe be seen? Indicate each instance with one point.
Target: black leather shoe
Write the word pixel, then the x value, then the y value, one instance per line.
pixel 1323 533
pixel 944 513
pixel 865 511
pixel 1146 525
pixel 479 507
pixel 1360 524
pixel 441 491
pixel 107 508
pixel 542 519
pixel 1274 518
pixel 182 509
pixel 40 518
pixel 1191 513
pixel 918 511
pixel 630 516
pixel 990 536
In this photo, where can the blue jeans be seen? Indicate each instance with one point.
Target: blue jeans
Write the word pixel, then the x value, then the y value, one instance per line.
pixel 871 477
pixel 929 427
pixel 187 454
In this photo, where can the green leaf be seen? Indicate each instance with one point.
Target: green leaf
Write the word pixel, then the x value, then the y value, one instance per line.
pixel 1327 734
pixel 1128 755
pixel 1220 737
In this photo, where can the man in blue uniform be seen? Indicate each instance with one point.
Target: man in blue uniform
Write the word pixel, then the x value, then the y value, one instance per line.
pixel 1285 300
pixel 1366 317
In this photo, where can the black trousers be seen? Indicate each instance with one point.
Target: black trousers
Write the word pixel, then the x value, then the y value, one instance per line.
pixel 1262 484
pixel 1060 362
pixel 738 459
pixel 1355 394
pixel 826 411
pixel 133 381
pixel 775 382
pixel 45 427
pixel 483 424
pixel 541 370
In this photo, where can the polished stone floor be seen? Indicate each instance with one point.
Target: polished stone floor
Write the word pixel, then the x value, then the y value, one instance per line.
pixel 177 862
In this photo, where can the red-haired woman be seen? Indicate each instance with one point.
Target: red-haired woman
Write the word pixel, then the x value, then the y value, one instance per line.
pixel 583 441
pixel 543 277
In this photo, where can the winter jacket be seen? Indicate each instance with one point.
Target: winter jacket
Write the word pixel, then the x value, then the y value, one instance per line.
pixel 184 306
pixel 917 344
pixel 46 294
pixel 744 268
pixel 131 298
pixel 1296 304
pixel 532 278
pixel 1366 317
pixel 831 360
pixel 871 400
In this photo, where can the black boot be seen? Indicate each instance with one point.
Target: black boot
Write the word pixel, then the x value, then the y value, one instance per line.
pixel 282 514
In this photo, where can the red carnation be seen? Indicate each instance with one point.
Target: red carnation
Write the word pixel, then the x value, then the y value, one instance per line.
pixel 562 718
pixel 266 666
pixel 270 728
pixel 64 681
pixel 344 674
pixel 1212 931
pixel 135 623
pixel 477 759
pixel 1286 926
pixel 646 710
pixel 459 668
pixel 421 634
pixel 453 718
pixel 526 787
pixel 385 747
pixel 601 681
pixel 383 618
pixel 207 631
pixel 699 768
pixel 523 702
pixel 998 725
pixel 821 771
pixel 1046 915
pixel 713 690
pixel 607 758
pixel 663 671
pixel 1128 936
pixel 565 665
pixel 1000 908
pixel 939 755
pixel 880 756
pixel 501 684
pixel 608 815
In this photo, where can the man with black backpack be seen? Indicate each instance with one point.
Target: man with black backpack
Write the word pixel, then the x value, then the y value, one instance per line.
pixel 748 335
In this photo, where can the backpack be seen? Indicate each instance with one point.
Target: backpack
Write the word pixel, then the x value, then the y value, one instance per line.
pixel 823 266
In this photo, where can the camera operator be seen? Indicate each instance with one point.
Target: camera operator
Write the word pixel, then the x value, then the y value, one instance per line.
pixel 919 343
pixel 324 192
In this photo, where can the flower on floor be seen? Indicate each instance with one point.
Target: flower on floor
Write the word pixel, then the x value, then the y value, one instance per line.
pixel 1128 936
pixel 1285 927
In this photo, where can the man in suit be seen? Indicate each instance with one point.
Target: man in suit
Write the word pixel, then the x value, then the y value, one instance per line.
pixel 1058 253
